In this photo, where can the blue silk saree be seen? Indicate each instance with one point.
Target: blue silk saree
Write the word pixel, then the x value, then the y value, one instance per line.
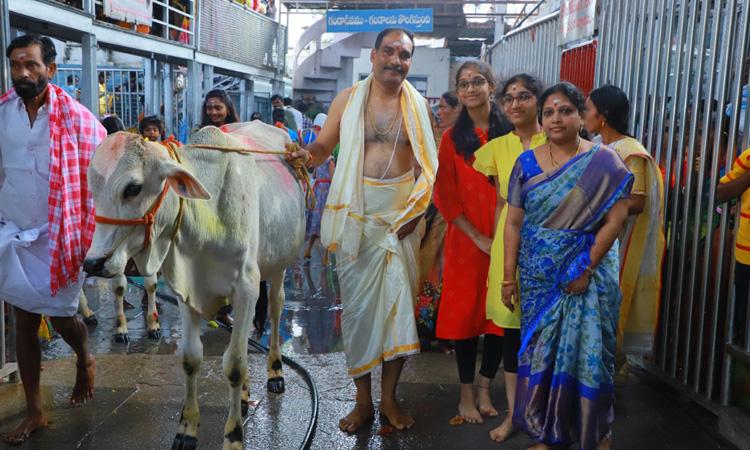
pixel 565 391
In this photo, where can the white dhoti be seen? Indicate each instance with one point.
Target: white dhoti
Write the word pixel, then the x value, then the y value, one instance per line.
pixel 24 241
pixel 25 275
pixel 377 271
pixel 378 285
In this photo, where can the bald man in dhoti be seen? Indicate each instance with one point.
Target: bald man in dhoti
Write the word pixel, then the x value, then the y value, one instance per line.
pixel 373 218
pixel 46 216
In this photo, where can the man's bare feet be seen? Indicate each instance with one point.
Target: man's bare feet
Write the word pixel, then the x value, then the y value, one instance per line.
pixel 84 387
pixel 396 416
pixel 360 415
pixel 503 431
pixel 540 446
pixel 30 424
pixel 484 401
pixel 467 406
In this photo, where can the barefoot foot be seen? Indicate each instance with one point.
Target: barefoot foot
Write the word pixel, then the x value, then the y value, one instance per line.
pixel 540 446
pixel 484 401
pixel 360 415
pixel 605 444
pixel 503 431
pixel 30 424
pixel 396 416
pixel 469 412
pixel 84 387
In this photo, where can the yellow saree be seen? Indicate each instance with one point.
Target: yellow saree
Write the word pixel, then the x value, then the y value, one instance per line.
pixel 642 247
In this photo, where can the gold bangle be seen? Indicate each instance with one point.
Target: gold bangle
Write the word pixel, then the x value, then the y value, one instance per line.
pixel 509 282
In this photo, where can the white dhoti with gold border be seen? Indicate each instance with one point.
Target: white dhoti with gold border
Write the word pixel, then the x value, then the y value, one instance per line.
pixel 378 284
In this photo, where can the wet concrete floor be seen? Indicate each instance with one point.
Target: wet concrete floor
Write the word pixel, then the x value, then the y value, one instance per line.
pixel 140 389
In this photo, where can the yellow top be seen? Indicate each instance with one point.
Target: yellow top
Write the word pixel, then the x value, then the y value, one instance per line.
pixel 742 244
pixel 497 158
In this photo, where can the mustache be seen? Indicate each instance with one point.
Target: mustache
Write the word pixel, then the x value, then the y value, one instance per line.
pixel 394 68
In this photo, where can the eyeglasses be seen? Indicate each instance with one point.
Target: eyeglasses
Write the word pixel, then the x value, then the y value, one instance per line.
pixel 476 82
pixel 523 97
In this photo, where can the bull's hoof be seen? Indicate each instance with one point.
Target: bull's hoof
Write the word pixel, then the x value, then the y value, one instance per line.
pixel 276 385
pixel 244 407
pixel 122 338
pixel 91 320
pixel 182 442
pixel 154 334
pixel 233 439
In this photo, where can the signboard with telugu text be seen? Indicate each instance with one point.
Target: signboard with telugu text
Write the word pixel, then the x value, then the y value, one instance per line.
pixel 131 11
pixel 576 20
pixel 374 20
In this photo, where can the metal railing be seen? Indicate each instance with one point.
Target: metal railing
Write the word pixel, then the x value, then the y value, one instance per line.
pixel 122 92
pixel 173 20
pixel 531 48
pixel 234 32
pixel 682 64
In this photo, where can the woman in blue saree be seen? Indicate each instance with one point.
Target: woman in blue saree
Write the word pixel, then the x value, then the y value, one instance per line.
pixel 567 204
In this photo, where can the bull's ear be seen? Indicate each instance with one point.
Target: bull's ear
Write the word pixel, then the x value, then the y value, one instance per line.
pixel 182 181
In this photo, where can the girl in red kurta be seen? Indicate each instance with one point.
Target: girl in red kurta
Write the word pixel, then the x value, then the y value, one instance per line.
pixel 467 201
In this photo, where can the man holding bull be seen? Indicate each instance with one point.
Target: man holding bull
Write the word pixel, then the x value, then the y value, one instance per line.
pixel 381 188
pixel 46 216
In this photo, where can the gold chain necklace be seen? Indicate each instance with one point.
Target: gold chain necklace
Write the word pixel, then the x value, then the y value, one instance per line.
pixel 555 164
pixel 374 125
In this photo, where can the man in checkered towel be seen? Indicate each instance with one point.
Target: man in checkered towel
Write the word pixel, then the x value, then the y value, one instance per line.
pixel 46 216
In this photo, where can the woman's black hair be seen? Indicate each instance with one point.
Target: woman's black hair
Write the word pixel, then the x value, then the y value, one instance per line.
pixel 450 98
pixel 613 104
pixel 464 137
pixel 572 93
pixel 256 116
pixel 530 82
pixel 220 94
pixel 113 124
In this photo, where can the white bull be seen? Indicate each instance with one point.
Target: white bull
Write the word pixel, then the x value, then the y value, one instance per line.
pixel 243 221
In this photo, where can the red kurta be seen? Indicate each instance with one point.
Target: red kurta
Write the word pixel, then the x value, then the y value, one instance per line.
pixel 459 189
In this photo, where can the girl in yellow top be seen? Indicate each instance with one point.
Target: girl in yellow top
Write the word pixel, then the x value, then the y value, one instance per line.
pixel 642 241
pixel 496 159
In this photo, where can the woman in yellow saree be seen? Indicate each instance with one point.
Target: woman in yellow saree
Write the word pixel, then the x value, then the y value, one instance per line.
pixel 642 240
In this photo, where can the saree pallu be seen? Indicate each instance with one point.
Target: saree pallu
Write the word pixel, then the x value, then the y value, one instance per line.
pixel 566 362
pixel 642 246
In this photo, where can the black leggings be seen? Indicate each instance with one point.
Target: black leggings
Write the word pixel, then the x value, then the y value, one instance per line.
pixel 496 349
